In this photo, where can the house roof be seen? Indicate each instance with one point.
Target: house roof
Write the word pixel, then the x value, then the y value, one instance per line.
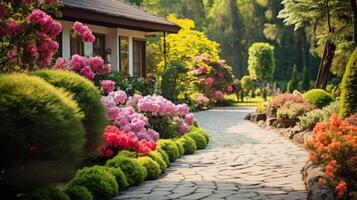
pixel 115 13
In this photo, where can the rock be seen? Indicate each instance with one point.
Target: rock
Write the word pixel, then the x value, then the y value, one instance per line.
pixel 260 116
pixel 296 129
pixel 271 120
pixel 247 117
pixel 286 123
pixel 261 123
pixel 301 137
pixel 252 117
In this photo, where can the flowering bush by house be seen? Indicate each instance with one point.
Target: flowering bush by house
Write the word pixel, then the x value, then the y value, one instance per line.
pixel 333 145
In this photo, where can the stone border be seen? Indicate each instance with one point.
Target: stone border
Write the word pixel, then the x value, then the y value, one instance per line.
pixel 311 173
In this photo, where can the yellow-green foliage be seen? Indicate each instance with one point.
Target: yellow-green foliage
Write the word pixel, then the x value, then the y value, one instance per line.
pixel 36 115
pixel 152 167
pixel 188 144
pixel 200 131
pixel 156 156
pixel 170 148
pixel 47 193
pixel 88 98
pixel 318 97
pixel 179 147
pixel 349 87
pixel 188 43
pixel 199 139
pixel 261 61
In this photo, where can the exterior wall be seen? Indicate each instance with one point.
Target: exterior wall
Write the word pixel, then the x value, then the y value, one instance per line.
pixel 111 42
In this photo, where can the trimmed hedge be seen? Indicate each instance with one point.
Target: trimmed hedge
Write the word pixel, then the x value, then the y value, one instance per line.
pixel 164 156
pixel 78 193
pixel 199 139
pixel 129 154
pixel 47 193
pixel 119 176
pixel 37 121
pixel 99 181
pixel 170 148
pixel 88 98
pixel 134 172
pixel 318 97
pixel 201 131
pixel 156 156
pixel 180 148
pixel 349 87
pixel 152 167
pixel 188 144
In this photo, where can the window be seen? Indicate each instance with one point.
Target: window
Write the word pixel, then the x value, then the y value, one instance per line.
pixel 124 55
pixel 77 46
pixel 99 45
pixel 139 58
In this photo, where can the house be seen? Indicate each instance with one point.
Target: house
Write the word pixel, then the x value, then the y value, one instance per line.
pixel 120 30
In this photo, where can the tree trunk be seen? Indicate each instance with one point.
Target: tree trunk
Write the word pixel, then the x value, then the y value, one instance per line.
pixel 323 74
pixel 237 47
pixel 354 19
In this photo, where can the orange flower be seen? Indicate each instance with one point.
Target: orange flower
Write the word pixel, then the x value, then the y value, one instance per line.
pixel 341 188
pixel 312 158
pixel 322 181
pixel 335 145
pixel 330 169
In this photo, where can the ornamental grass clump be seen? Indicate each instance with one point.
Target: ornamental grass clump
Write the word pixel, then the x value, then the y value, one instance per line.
pixel 333 145
pixel 38 122
pixel 170 148
pixel 46 193
pixel 199 139
pixel 88 98
pixel 134 172
pixel 188 144
pixel 152 168
pixel 292 110
pixel 100 182
pixel 78 193
pixel 156 156
pixel 318 97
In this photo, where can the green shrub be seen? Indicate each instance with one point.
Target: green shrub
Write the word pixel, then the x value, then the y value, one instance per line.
pixel 100 182
pixel 170 148
pixel 35 115
pixel 46 193
pixel 200 131
pixel 79 193
pixel 318 97
pixel 199 139
pixel 156 156
pixel 165 126
pixel 188 144
pixel 180 148
pixel 310 119
pixel 119 176
pixel 134 172
pixel 152 167
pixel 129 154
pixel 164 156
pixel 88 98
pixel 349 87
pixel 292 110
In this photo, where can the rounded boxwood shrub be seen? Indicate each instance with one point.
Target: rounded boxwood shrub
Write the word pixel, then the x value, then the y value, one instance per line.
pixel 37 121
pixel 180 148
pixel 78 193
pixel 156 156
pixel 129 154
pixel 188 144
pixel 98 181
pixel 164 156
pixel 134 172
pixel 119 176
pixel 349 87
pixel 200 131
pixel 47 193
pixel 318 97
pixel 170 148
pixel 88 98
pixel 152 167
pixel 200 140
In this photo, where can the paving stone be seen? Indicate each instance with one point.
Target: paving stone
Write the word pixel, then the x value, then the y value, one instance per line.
pixel 242 161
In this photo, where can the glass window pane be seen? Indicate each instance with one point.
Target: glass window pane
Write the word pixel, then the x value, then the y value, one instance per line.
pixel 77 46
pixel 99 45
pixel 124 55
pixel 138 63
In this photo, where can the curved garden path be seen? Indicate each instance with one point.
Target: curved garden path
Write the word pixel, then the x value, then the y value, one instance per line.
pixel 242 162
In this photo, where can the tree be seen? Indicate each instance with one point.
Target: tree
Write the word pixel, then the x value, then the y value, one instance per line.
pixel 293 82
pixel 247 83
pixel 261 61
pixel 305 80
pixel 349 87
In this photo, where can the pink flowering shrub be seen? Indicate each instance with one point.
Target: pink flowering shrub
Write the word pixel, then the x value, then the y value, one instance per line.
pixel 333 146
pixel 211 78
pixel 84 32
pixel 87 67
pixel 281 99
pixel 107 86
pixel 116 140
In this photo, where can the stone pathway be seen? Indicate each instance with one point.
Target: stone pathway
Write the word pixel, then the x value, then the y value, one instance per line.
pixel 242 162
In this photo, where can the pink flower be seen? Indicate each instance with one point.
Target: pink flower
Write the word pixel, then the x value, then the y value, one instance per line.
pixel 183 109
pixel 229 88
pixel 31 50
pixel 108 86
pixel 183 128
pixel 120 97
pixel 218 95
pixel 202 69
pixel 87 72
pixel 13 28
pixel 190 119
pixel 3 11
pixel 202 99
pixel 209 81
pixel 61 63
pixel 84 32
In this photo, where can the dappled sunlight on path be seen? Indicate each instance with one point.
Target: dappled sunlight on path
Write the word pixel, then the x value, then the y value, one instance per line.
pixel 241 162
